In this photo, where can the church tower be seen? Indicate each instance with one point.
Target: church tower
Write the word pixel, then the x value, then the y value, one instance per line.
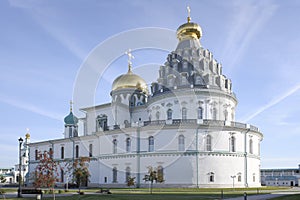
pixel 71 124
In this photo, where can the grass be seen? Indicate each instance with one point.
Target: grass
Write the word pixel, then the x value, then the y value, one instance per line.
pixel 160 193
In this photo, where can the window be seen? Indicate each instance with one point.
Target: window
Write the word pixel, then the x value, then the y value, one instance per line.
pixel 184 113
pixel 91 150
pixel 50 153
pixel 211 177
pixel 128 145
pixel 251 146
pixel 62 152
pixel 225 115
pixel 258 146
pixel 157 115
pixel 239 177
pixel 62 175
pixel 254 177
pixel 101 122
pixel 37 157
pixel 214 114
pixel 70 132
pixel 160 174
pixel 169 114
pixel 200 113
pixel 151 144
pixel 127 174
pixel 181 146
pixel 208 143
pixel 115 175
pixel 115 145
pixel 232 144
pixel 77 151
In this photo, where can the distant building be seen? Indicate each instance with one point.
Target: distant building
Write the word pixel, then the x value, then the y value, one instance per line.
pixel 8 174
pixel 280 177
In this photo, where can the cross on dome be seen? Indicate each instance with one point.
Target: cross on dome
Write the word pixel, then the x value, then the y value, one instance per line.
pixel 71 107
pixel 189 13
pixel 130 57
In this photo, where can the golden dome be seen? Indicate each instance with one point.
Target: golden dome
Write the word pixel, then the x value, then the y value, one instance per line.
pixel 189 29
pixel 130 80
pixel 27 135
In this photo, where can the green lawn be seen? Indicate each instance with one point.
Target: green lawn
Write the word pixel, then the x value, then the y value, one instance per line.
pixel 161 193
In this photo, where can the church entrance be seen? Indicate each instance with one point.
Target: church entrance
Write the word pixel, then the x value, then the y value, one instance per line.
pixel 292 183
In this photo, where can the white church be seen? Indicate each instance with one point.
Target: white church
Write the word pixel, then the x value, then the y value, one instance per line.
pixel 183 125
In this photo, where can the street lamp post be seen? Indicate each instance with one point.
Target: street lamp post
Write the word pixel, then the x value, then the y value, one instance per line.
pixel 233 177
pixel 20 166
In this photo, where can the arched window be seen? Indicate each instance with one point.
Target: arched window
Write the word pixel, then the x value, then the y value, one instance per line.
pixel 77 151
pixel 91 150
pixel 232 144
pixel 160 174
pixel 128 144
pixel 157 115
pixel 50 153
pixel 253 177
pixel 181 146
pixel 115 145
pixel 226 115
pixel 200 113
pixel 251 146
pixel 115 175
pixel 151 144
pixel 62 174
pixel 184 113
pixel 208 143
pixel 62 152
pixel 258 146
pixel 214 114
pixel 239 178
pixel 37 155
pixel 211 177
pixel 169 114
pixel 127 174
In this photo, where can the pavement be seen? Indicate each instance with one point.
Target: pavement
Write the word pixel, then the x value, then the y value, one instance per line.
pixel 295 190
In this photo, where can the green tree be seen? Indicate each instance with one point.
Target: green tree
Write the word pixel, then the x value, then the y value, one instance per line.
pixel 2 178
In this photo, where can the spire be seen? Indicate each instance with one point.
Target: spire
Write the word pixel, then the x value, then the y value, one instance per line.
pixel 130 57
pixel 71 107
pixel 189 14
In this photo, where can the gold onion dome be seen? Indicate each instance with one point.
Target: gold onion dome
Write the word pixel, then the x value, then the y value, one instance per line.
pixel 130 81
pixel 189 29
pixel 27 136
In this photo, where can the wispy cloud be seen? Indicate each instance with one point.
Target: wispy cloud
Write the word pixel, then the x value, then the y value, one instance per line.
pixel 30 107
pixel 245 25
pixel 46 18
pixel 273 102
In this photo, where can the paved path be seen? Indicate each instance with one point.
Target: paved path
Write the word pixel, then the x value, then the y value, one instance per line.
pixel 294 190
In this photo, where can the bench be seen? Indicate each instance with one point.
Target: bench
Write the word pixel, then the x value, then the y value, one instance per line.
pixel 31 191
pixel 105 191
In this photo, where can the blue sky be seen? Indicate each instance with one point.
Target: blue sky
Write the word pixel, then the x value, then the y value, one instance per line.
pixel 43 45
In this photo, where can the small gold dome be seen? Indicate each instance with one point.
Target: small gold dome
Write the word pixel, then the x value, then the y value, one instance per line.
pixel 27 135
pixel 130 80
pixel 189 29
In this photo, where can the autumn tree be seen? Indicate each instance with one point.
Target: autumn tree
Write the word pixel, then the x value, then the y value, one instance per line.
pixel 46 172
pixel 81 172
pixel 154 175
pixel 130 181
